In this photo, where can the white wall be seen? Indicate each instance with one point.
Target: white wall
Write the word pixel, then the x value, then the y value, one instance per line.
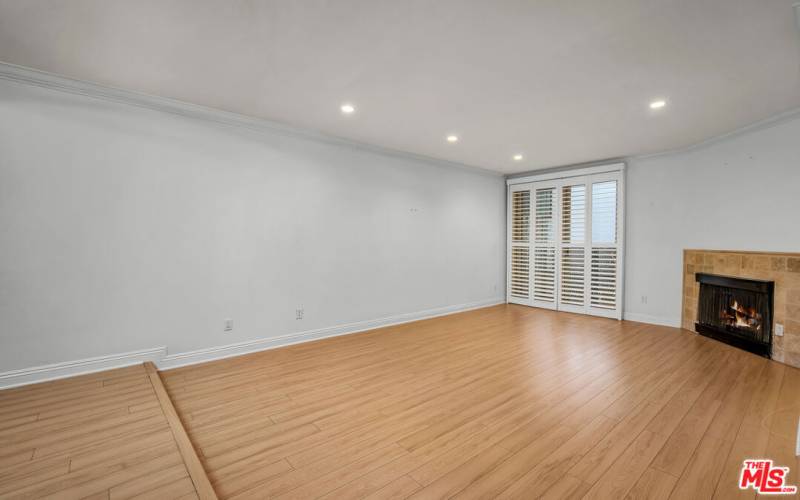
pixel 738 193
pixel 124 228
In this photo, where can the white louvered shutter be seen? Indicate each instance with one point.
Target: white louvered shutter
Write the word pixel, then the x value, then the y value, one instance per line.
pixel 572 289
pixel 604 284
pixel 566 243
pixel 519 255
pixel 544 246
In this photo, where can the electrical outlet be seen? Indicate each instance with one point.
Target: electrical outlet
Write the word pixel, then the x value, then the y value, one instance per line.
pixel 644 299
pixel 299 313
pixel 228 326
pixel 778 330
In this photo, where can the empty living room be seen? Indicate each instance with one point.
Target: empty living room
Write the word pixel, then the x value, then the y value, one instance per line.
pixel 371 249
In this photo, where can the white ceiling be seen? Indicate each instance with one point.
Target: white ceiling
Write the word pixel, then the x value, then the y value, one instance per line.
pixel 560 81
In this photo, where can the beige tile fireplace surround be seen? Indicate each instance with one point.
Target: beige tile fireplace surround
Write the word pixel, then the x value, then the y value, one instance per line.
pixel 782 268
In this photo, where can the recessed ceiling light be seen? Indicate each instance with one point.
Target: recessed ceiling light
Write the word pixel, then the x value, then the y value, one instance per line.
pixel 348 109
pixel 658 104
pixel 517 157
pixel 452 138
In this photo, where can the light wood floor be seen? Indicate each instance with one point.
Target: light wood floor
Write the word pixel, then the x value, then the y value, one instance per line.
pixel 96 436
pixel 506 402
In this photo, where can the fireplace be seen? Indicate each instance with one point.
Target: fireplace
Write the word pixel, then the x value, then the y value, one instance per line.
pixel 736 311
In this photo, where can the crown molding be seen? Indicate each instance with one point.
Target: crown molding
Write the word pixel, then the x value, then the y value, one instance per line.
pixel 764 124
pixel 567 173
pixel 33 77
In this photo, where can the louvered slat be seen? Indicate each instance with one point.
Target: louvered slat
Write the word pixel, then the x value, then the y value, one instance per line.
pixel 573 214
pixel 544 267
pixel 520 272
pixel 519 276
pixel 544 257
pixel 573 285
pixel 520 216
pixel 544 228
pixel 603 288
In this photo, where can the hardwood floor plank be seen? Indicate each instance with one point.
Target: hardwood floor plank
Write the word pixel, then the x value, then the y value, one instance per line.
pixel 783 427
pixel 652 485
pixel 700 477
pixel 555 466
pixel 618 480
pixel 753 434
pixel 400 488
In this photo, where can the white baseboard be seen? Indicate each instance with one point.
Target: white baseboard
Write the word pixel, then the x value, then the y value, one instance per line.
pixel 230 350
pixel 159 356
pixel 653 320
pixel 66 369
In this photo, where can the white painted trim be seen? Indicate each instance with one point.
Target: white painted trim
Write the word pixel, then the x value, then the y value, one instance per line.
pixel 764 124
pixel 796 6
pixel 29 76
pixel 159 356
pixel 797 446
pixel 653 320
pixel 566 174
pixel 230 350
pixel 66 369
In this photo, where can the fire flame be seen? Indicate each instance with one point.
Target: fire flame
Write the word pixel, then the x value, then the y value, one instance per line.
pixel 742 317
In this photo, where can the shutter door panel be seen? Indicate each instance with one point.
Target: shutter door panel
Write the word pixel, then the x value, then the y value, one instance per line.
pixel 565 243
pixel 573 252
pixel 520 272
pixel 519 260
pixel 604 272
pixel 544 252
pixel 573 214
pixel 604 212
pixel 573 271
pixel 520 217
pixel 545 216
pixel 604 278
pixel 544 272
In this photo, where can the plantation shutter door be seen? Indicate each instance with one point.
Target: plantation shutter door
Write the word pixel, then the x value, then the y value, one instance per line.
pixel 519 283
pixel 545 222
pixel 566 240
pixel 573 248
pixel 605 250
